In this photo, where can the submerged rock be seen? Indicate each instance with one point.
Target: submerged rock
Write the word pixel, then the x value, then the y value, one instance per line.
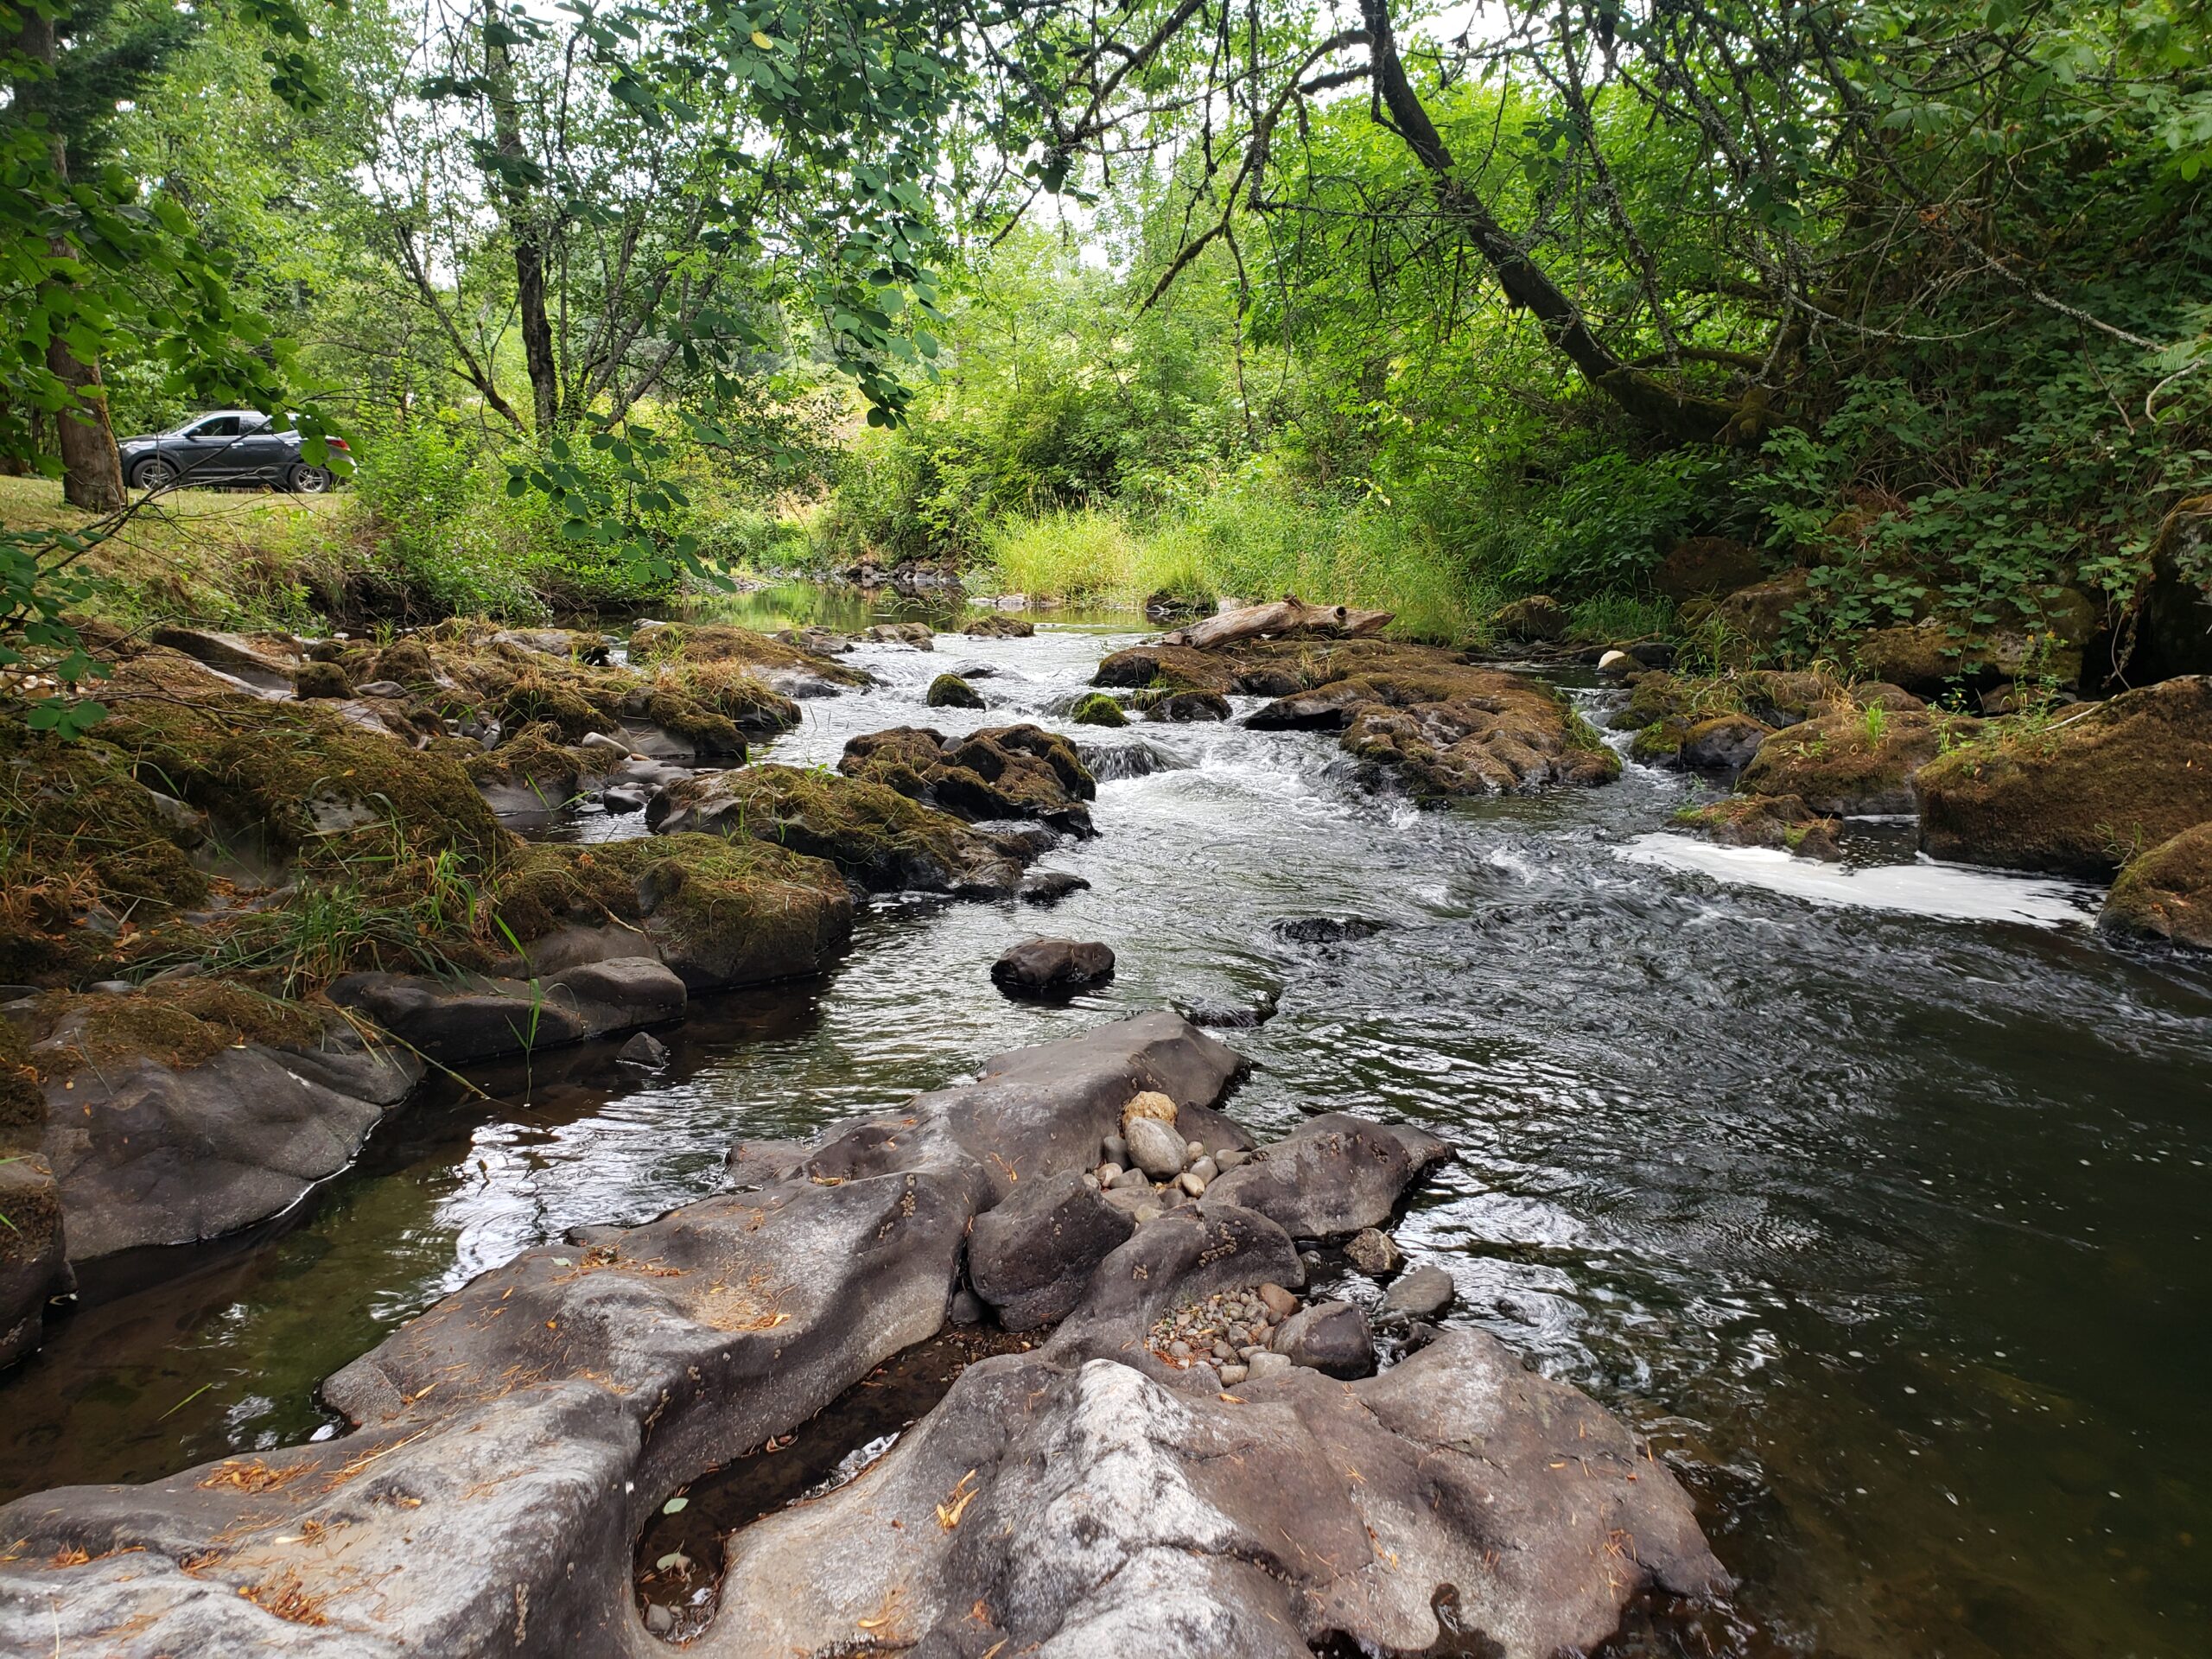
pixel 997 625
pixel 458 1021
pixel 1180 708
pixel 1051 967
pixel 1421 1294
pixel 2081 794
pixel 2165 894
pixel 1050 887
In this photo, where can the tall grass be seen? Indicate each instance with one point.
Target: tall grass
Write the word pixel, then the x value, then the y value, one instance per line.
pixel 1252 539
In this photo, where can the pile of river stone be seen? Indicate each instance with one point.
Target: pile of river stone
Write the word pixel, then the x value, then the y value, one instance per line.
pixel 1149 1167
pixel 1233 1328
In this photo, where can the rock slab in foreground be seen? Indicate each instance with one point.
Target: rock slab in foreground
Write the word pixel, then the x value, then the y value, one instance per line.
pixel 1096 1509
pixel 511 1441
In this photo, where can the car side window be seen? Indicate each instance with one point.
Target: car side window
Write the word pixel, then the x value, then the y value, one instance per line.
pixel 221 426
pixel 253 425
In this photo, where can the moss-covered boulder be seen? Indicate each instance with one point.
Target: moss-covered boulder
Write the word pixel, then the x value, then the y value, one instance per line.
pixel 1534 620
pixel 321 680
pixel 533 772
pixel 1782 821
pixel 1723 742
pixel 876 836
pixel 721 910
pixel 997 625
pixel 1170 668
pixel 1700 566
pixel 784 669
pixel 1096 709
pixel 294 782
pixel 1443 727
pixel 734 691
pixel 2165 894
pixel 1756 615
pixel 2080 793
pixel 1850 761
pixel 950 691
pixel 539 699
pixel 1182 707
pixel 1001 772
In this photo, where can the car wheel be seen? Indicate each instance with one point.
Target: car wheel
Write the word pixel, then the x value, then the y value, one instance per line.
pixel 153 474
pixel 307 480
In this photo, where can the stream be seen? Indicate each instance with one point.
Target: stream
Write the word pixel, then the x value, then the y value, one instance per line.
pixel 1876 1196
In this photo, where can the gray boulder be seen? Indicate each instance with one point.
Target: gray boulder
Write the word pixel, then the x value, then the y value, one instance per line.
pixel 459 1021
pixel 1328 1337
pixel 1421 1294
pixel 1157 1150
pixel 1337 1174
pixel 1052 967
pixel 1031 1257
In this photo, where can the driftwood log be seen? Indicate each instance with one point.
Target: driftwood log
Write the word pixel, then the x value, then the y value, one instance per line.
pixel 1290 614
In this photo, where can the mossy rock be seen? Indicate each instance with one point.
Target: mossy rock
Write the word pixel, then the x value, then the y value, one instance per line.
pixel 1660 744
pixel 532 770
pixel 710 734
pixel 771 660
pixel 2165 894
pixel 878 838
pixel 1781 821
pixel 1001 772
pixel 734 690
pixel 2082 793
pixel 950 691
pixel 80 832
pixel 409 663
pixel 321 680
pixel 1096 709
pixel 1167 668
pixel 182 1023
pixel 297 782
pixel 721 911
pixel 1850 761
pixel 1535 620
pixel 537 698
pixel 997 625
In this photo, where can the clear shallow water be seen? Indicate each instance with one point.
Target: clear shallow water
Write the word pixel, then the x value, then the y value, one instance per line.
pixel 1889 1226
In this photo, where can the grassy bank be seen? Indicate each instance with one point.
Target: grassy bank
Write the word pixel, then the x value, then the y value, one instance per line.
pixel 1256 542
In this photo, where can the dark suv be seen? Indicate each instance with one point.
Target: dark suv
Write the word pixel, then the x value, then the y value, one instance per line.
pixel 232 445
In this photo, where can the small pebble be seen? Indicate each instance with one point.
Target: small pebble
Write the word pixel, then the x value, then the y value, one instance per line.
pixel 1117 1151
pixel 1266 1366
pixel 1107 1171
pixel 1148 1213
pixel 1192 1183
pixel 659 1619
pixel 1230 1157
pixel 1178 1350
pixel 1205 1169
pixel 1232 1375
pixel 1194 1152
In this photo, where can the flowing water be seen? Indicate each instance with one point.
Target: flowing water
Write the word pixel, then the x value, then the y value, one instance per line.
pixel 1876 1196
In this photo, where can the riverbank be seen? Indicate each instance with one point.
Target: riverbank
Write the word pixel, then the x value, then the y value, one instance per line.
pixel 1523 963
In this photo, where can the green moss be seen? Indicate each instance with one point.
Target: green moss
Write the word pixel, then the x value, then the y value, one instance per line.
pixel 950 691
pixel 535 697
pixel 1660 741
pixel 734 690
pixel 321 680
pixel 1096 709
pixel 300 782
pixel 705 730
pixel 686 642
pixel 695 883
pixel 180 1023
pixel 408 662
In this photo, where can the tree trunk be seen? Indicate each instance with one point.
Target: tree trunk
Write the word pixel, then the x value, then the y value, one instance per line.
pixel 1291 614
pixel 528 237
pixel 1680 416
pixel 91 470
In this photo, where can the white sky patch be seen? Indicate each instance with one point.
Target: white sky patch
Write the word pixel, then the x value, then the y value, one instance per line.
pixel 1956 892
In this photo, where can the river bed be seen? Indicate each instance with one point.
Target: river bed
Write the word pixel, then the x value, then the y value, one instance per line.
pixel 1876 1196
